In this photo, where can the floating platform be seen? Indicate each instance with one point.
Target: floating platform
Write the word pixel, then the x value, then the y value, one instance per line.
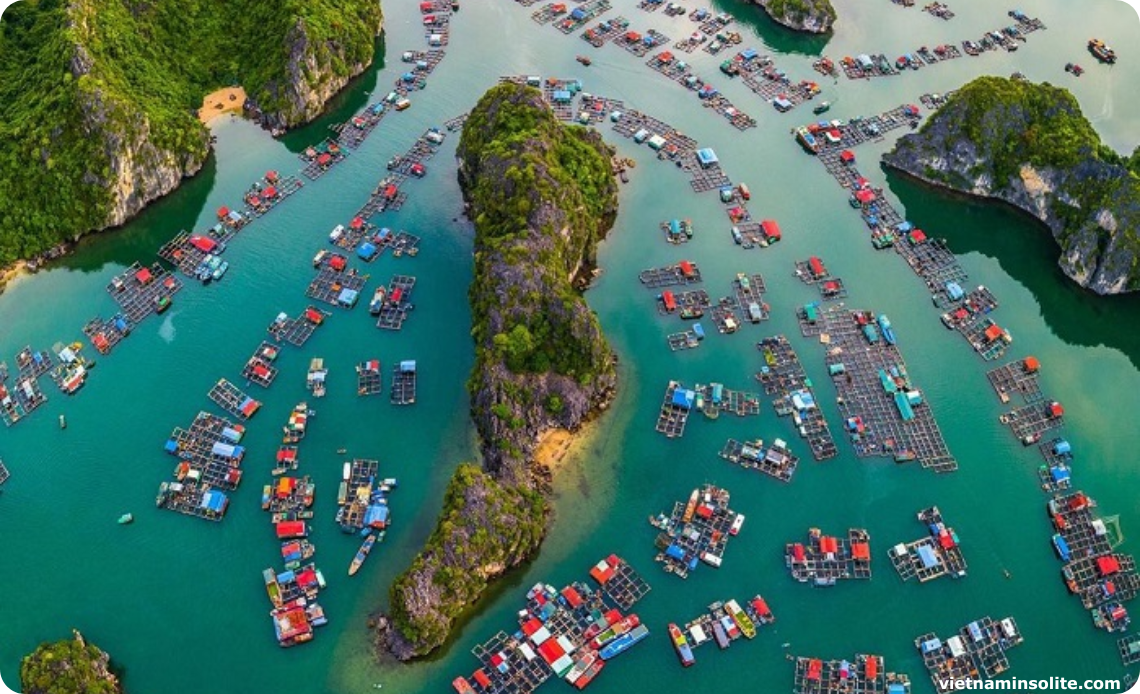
pixel 582 15
pixel 675 409
pixel 938 554
pixel 269 192
pixel 832 289
pixel 884 414
pixel 774 460
pixel 337 288
pixel 688 339
pixel 977 651
pixel 297 331
pixel 369 380
pixel 259 369
pixel 1129 649
pixel 603 32
pixel 456 123
pixel 320 158
pixel 193 499
pixel 679 275
pixel 140 291
pixel 864 674
pixel 825 559
pixel 725 622
pixel 404 383
pixel 783 377
pixel 4 474
pixel 364 491
pixel 640 44
pixel 21 400
pixel 231 399
pixel 1019 377
pixel 696 531
pixel 548 13
pixel 106 333
pixel 386 196
pixel 593 110
pixel 1031 422
pixel 208 452
pixel 397 303
pixel 355 130
pixel 33 364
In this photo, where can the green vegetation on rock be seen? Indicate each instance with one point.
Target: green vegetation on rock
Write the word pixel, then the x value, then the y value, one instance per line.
pixel 484 528
pixel 98 97
pixel 815 16
pixel 1029 145
pixel 71 666
pixel 541 195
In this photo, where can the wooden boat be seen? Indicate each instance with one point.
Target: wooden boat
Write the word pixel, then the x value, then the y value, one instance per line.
pixel 1102 52
pixel 824 107
pixel 126 518
pixel 361 554
pixel 584 60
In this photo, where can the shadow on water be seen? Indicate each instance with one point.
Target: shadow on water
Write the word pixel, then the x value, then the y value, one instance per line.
pixel 142 236
pixel 776 37
pixel 358 92
pixel 1026 251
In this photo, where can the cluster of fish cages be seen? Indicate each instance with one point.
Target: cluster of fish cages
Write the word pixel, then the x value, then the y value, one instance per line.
pixel 639 44
pixel 696 531
pixel 679 72
pixel 369 380
pixel 268 193
pixel 296 331
pixel 355 130
pixel 593 109
pixel 935 555
pixel 679 275
pixel 404 383
pixel 714 398
pixel 362 475
pixel 1128 647
pixel 187 252
pixel 775 460
pixel 208 451
pixel 675 409
pixel 4 474
pixel 977 651
pixel 33 363
pixel 21 400
pixel 1030 422
pixel 349 238
pixel 336 288
pixel 233 400
pixel 863 675
pixel 971 318
pixel 259 368
pixel 935 101
pixel 598 35
pixel 884 414
pixel 106 333
pixel 783 377
pixel 1020 377
pixel 688 305
pixel 686 339
pixel 548 13
pixel 456 123
pixel 191 498
pixel 397 304
pixel 385 196
pixel 320 158
pixel 825 559
pixel 141 291
pixel 582 15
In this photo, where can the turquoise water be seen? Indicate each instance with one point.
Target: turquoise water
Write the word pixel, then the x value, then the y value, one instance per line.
pixel 179 602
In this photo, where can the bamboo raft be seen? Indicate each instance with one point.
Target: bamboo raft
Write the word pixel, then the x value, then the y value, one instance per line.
pixel 453 124
pixel 816 676
pixel 368 378
pixel 33 364
pixel 140 291
pixel 783 376
pixel 106 333
pixel 977 651
pixel 942 555
pixel 823 559
pixel 884 414
pixel 387 195
pixel 548 13
pixel 775 460
pixel 1030 422
pixel 397 303
pixel 690 304
pixel 697 529
pixel 404 383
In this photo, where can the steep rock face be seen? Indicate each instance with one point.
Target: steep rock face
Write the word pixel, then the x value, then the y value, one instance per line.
pixel 1029 146
pixel 811 16
pixel 68 667
pixel 541 195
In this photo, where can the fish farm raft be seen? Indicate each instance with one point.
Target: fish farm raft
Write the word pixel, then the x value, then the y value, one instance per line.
pixel 723 622
pixel 774 460
pixel 863 675
pixel 696 530
pixel 937 554
pixel 977 651
pixel 825 559
pixel 783 376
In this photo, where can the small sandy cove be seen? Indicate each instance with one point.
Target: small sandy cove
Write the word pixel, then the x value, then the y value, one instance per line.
pixel 228 100
pixel 553 445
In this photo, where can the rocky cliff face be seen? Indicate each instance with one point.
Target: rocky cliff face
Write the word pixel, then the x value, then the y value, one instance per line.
pixel 68 667
pixel 811 16
pixel 316 70
pixel 1090 205
pixel 541 195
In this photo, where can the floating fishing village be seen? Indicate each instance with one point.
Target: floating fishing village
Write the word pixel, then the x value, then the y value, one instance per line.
pixel 818 391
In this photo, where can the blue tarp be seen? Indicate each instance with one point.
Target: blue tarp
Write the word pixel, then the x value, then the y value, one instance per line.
pixel 905 410
pixel 674 227
pixel 927 556
pixel 1059 474
pixel 748 53
pixel 698 331
pixel 347 297
pixel 224 450
pixel 121 324
pixel 231 435
pixel 561 96
pixel 377 514
pixel 214 501
pixel 171 446
pixel 366 250
pixel 1062 447
pixel 904 227
pixel 408 366
pixel 870 333
pixel 675 552
pixel 383 233
pixel 717 392
pixel 803 400
pixel 683 398
pixel 929 646
pixel 706 157
pixel 954 291
pixel 578 13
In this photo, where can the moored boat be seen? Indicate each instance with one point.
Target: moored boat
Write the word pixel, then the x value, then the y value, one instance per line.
pixel 1101 51
pixel 887 330
pixel 126 518
pixel 272 587
pixel 584 60
pixel 681 645
pixel 623 643
pixel 361 554
pixel 741 619
pixel 377 302
pixel 823 107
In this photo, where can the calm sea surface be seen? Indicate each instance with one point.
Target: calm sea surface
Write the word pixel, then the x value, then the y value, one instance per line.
pixel 179 602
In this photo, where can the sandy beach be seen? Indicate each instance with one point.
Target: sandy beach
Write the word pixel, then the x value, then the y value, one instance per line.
pixel 227 100
pixel 553 446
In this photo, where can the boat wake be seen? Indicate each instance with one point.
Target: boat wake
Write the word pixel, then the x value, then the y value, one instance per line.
pixel 166 331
